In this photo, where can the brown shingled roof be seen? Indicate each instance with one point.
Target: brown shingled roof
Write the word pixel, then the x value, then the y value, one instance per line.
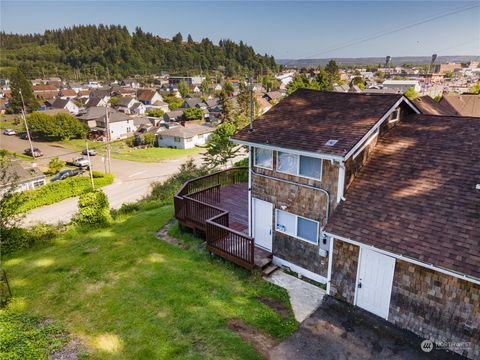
pixel 307 119
pixel 416 196
pixel 429 106
pixel 463 105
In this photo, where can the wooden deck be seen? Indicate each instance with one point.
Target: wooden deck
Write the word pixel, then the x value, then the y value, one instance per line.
pixel 217 204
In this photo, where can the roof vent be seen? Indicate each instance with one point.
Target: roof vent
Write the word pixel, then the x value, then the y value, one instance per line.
pixel 331 142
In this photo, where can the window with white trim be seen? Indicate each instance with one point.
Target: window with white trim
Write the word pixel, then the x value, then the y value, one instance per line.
pixel 300 165
pixel 263 158
pixel 395 115
pixel 296 226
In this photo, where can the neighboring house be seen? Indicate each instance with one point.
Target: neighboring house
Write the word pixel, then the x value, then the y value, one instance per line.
pixel 138 108
pixel 67 94
pixel 120 125
pixel 24 178
pixel 462 105
pixel 263 104
pixel 402 85
pixel 158 105
pixel 68 105
pixel 341 88
pixel 194 102
pixel 185 136
pixel 174 115
pixel 97 102
pixel 429 106
pixel 125 104
pixel 380 203
pixel 273 96
pixel 148 97
pixel 45 91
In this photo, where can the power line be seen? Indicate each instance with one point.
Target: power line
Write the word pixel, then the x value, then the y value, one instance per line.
pixel 400 28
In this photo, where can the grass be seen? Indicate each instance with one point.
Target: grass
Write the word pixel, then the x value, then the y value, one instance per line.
pixel 8 122
pixel 125 294
pixel 120 150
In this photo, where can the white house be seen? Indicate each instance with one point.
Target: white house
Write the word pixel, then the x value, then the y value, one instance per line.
pixel 185 136
pixel 21 177
pixel 158 105
pixel 402 85
pixel 125 104
pixel 148 97
pixel 66 104
pixel 121 126
pixel 138 108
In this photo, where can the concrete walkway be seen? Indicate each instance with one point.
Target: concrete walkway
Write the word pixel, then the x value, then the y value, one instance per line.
pixel 304 297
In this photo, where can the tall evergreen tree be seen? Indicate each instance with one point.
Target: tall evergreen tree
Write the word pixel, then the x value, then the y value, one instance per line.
pixel 332 72
pixel 20 86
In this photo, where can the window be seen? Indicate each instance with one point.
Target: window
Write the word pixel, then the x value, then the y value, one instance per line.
pixel 297 226
pixel 189 139
pixel 160 137
pixel 394 116
pixel 263 158
pixel 176 139
pixel 200 136
pixel 39 183
pixel 287 163
pixel 300 165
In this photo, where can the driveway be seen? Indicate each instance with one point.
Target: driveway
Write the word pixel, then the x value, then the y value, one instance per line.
pixel 339 331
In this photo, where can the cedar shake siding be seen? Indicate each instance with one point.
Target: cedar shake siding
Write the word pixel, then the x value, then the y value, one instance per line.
pixel 436 306
pixel 344 271
pixel 433 305
pixel 306 202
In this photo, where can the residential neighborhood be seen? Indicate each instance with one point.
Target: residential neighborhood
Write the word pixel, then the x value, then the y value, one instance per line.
pixel 309 191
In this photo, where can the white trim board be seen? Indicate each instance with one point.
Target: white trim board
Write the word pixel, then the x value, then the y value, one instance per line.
pixel 299 270
pixel 291 151
pixel 407 259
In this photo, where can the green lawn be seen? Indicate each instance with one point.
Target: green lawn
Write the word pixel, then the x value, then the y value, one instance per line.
pixel 8 122
pixel 127 295
pixel 120 150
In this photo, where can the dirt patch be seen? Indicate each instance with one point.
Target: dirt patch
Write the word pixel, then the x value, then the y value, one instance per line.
pixel 70 351
pixel 261 342
pixel 275 305
pixel 162 234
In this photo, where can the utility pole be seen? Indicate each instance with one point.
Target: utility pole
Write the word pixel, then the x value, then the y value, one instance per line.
pixel 89 164
pixel 26 124
pixel 251 102
pixel 109 164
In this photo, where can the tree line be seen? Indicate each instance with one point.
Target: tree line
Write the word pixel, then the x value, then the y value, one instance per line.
pixel 111 51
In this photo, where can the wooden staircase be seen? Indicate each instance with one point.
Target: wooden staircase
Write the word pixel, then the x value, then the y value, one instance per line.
pixel 263 261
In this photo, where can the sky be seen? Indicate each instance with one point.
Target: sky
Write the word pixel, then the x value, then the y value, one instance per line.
pixel 285 29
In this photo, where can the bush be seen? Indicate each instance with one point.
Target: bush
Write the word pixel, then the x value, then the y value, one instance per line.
pixel 193 114
pixel 93 208
pixel 155 113
pixel 164 191
pixel 55 165
pixel 243 162
pixel 13 239
pixel 60 190
pixel 148 139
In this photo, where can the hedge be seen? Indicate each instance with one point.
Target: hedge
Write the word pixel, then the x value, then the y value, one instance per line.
pixel 60 190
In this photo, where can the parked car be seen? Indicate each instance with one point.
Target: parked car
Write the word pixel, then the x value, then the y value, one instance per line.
pixel 36 152
pixel 9 132
pixel 62 175
pixel 91 152
pixel 79 162
pixel 23 136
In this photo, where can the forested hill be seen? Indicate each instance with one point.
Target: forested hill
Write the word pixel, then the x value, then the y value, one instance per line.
pixel 112 51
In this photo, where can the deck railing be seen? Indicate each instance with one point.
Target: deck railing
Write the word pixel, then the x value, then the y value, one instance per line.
pixel 197 206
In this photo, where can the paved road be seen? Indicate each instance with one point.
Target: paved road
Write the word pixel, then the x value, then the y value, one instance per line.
pixel 132 179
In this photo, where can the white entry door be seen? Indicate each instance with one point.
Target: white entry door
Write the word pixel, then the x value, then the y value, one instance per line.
pixel 262 223
pixel 375 279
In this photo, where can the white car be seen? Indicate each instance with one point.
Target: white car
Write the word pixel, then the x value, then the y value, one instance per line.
pixel 9 132
pixel 79 162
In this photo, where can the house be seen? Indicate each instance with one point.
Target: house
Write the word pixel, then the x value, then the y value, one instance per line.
pixel 125 104
pixel 120 125
pixel 190 80
pixel 174 115
pixel 97 102
pixel 194 102
pixel 274 96
pixel 158 105
pixel 24 178
pixel 67 94
pixel 185 136
pixel 65 104
pixel 148 97
pixel 45 91
pixel 462 105
pixel 363 193
pixel 402 85
pixel 138 108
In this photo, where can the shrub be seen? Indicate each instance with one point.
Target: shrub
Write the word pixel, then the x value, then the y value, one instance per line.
pixel 148 139
pixel 93 208
pixel 243 162
pixel 193 114
pixel 60 190
pixel 164 191
pixel 155 112
pixel 55 165
pixel 13 239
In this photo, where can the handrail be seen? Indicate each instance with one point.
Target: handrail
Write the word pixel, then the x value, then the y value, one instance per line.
pixel 211 221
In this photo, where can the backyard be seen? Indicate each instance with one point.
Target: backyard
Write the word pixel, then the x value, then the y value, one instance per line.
pixel 120 150
pixel 121 292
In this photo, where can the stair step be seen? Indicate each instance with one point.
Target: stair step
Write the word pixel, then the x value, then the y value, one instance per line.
pixel 262 262
pixel 269 269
